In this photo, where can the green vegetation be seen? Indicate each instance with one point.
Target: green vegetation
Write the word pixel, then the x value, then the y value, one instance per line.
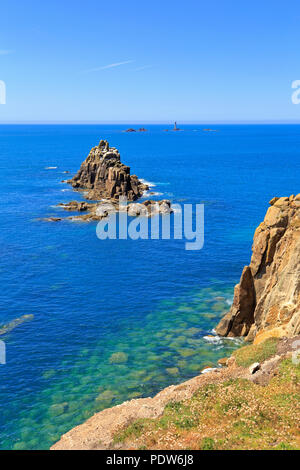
pixel 256 353
pixel 236 414
pixel 207 444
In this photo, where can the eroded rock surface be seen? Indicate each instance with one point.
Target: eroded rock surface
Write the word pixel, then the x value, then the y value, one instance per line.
pixel 267 299
pixel 90 211
pixel 104 176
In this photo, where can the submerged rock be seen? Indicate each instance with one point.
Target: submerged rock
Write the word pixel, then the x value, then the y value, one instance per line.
pixel 8 327
pixel 267 300
pixel 118 358
pixel 172 371
pixel 107 396
pixel 58 409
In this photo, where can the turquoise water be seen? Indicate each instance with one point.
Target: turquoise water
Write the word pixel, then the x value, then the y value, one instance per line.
pixel 113 319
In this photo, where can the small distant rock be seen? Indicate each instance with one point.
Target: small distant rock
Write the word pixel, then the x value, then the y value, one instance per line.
pixel 52 219
pixel 8 327
pixel 223 361
pixel 130 130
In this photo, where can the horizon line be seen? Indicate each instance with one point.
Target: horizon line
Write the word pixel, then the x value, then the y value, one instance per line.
pixel 241 122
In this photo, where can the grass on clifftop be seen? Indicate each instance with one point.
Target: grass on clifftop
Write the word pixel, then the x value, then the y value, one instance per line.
pixel 247 355
pixel 236 414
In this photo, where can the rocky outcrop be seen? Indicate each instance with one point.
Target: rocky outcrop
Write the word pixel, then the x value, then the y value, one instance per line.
pixel 267 299
pixel 104 176
pixel 8 327
pixel 90 211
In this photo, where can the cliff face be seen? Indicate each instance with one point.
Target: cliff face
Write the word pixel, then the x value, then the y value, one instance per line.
pixel 267 299
pixel 103 174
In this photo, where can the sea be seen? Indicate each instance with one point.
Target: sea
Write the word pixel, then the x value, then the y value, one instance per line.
pixel 117 319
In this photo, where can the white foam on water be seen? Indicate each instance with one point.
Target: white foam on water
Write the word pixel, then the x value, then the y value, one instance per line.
pixel 213 339
pixel 229 301
pixel 151 193
pixel 221 340
pixel 148 183
pixel 74 220
pixel 50 167
pixel 209 369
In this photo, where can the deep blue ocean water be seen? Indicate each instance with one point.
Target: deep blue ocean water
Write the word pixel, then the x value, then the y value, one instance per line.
pixel 150 300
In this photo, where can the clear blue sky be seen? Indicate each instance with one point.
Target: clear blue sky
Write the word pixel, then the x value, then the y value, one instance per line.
pixel 135 61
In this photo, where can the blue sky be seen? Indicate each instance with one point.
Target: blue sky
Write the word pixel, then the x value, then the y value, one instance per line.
pixel 158 61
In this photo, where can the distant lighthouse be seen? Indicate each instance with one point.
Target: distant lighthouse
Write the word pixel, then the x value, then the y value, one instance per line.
pixel 175 128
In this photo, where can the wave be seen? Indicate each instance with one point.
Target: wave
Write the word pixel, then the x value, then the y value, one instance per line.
pixel 148 183
pixel 151 193
pixel 50 167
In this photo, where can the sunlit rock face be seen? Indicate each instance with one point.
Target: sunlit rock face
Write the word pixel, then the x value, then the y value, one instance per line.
pixel 267 299
pixel 104 176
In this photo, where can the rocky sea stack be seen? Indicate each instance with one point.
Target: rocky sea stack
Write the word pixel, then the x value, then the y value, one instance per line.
pixel 104 176
pixel 267 299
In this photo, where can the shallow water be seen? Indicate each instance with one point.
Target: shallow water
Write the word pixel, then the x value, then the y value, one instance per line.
pixel 120 319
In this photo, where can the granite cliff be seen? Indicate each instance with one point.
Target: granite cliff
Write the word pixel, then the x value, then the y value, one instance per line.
pixel 104 176
pixel 267 299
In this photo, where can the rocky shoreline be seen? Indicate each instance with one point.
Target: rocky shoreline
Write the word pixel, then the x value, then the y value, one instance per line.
pixel 265 310
pixel 103 430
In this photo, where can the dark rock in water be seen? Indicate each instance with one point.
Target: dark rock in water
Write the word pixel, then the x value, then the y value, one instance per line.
pixel 52 219
pixel 76 206
pixel 95 211
pixel 106 179
pixel 130 130
pixel 8 327
pixel 104 176
pixel 142 129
